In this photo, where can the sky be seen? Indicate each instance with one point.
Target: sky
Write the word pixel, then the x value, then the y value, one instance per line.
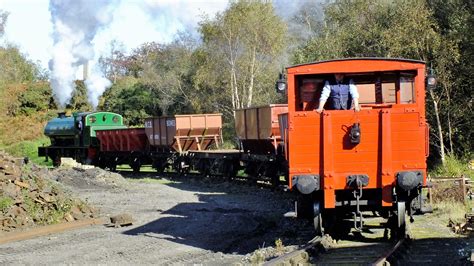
pixel 64 35
pixel 134 22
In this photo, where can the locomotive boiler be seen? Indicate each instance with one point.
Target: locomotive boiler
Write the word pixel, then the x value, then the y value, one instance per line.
pixel 75 135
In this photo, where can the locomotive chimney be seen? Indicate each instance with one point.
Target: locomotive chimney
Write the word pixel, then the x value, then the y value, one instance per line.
pixel 85 70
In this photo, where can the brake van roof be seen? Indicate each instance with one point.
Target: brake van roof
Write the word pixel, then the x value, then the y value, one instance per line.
pixel 357 65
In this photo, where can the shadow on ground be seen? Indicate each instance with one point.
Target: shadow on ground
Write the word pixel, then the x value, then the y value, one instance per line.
pixel 230 218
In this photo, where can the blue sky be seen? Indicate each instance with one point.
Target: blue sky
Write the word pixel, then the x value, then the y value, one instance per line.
pixel 134 22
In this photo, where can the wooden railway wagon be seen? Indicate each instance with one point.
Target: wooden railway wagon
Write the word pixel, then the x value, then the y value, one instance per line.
pixel 343 162
pixel 123 146
pixel 258 132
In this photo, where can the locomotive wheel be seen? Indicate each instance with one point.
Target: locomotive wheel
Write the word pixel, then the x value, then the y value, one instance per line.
pixel 275 181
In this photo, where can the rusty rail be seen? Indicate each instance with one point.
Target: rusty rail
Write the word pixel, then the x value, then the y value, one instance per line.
pixel 387 257
pixel 297 257
pixel 47 230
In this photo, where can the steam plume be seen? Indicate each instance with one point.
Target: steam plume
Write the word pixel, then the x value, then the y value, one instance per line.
pixel 75 24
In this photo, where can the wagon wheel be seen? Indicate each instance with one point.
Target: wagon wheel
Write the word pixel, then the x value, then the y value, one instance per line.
pixel 159 169
pixel 136 167
pixel 230 170
pixel 205 168
pixel 101 163
pixel 135 164
pixel 159 166
pixel 318 224
pixel 401 222
pixel 397 223
pixel 181 167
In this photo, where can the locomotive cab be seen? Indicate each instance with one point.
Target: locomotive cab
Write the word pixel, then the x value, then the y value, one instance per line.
pixel 75 136
pixel 344 162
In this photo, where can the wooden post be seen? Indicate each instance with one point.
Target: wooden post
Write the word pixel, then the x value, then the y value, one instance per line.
pixel 463 187
pixel 430 191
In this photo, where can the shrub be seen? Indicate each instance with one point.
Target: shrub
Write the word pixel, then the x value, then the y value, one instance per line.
pixel 5 203
pixel 37 97
pixel 452 167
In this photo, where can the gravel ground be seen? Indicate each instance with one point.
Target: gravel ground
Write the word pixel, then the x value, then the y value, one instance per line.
pixel 192 221
pixel 181 221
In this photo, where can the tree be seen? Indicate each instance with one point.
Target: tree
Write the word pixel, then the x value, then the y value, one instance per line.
pixel 454 67
pixel 15 68
pixel 113 64
pixel 79 100
pixel 37 97
pixel 408 29
pixel 240 47
pixel 132 99
pixel 3 21
pixel 169 73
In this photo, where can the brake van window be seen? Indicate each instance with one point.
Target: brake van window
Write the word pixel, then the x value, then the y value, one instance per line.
pixel 374 88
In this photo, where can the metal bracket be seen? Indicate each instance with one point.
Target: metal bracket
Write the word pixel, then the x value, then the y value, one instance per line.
pixel 358 217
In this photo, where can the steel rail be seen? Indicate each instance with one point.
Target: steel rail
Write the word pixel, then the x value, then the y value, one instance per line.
pixel 384 260
pixel 296 257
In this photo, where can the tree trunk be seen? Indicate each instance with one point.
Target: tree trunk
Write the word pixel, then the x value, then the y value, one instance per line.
pixel 252 77
pixel 450 128
pixel 440 129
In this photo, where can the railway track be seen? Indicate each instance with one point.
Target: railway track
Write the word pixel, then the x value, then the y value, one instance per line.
pixel 368 248
pixel 322 251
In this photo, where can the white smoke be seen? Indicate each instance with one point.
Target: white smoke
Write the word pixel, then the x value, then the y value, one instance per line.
pixel 75 24
pixel 181 15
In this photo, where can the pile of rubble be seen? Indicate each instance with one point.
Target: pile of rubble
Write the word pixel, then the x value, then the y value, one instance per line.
pixel 85 177
pixel 28 197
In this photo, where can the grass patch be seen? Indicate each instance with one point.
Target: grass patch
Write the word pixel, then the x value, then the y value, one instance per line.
pixel 28 149
pixel 51 213
pixel 5 203
pixel 453 210
pixel 453 167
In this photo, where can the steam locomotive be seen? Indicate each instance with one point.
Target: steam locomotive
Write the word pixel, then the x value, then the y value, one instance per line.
pixel 339 162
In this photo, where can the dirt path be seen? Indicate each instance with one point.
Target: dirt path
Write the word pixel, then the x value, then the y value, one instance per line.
pixel 175 222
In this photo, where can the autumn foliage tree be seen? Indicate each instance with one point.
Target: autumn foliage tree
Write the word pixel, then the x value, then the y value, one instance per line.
pixel 437 32
pixel 242 47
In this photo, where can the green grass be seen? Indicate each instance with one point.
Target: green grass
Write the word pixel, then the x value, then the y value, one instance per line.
pixel 5 203
pixel 453 167
pixel 56 210
pixel 28 149
pixel 453 210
